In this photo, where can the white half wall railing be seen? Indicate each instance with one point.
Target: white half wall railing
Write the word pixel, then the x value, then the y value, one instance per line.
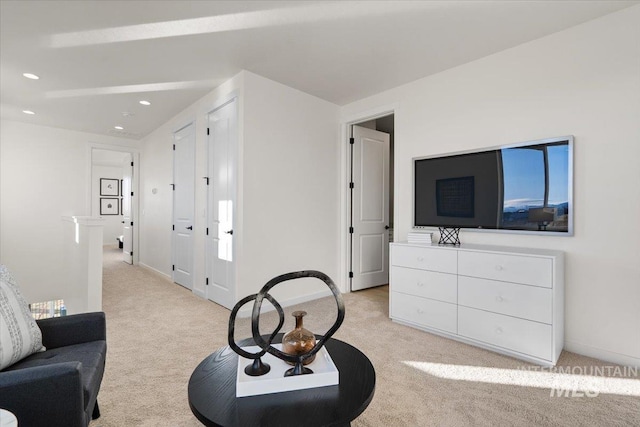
pixel 83 263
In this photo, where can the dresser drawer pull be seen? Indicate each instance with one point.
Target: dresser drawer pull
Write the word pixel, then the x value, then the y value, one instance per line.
pixel 498 330
pixel 420 259
pixel 499 268
pixel 499 298
pixel 420 284
pixel 420 311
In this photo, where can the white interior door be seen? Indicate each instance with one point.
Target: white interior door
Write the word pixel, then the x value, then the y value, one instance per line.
pixel 126 207
pixel 221 200
pixel 370 204
pixel 184 150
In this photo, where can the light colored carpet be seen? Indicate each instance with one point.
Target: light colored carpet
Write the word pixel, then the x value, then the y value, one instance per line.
pixel 158 332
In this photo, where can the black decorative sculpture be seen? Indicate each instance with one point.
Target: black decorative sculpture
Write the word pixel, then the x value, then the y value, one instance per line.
pixel 258 368
pixel 449 236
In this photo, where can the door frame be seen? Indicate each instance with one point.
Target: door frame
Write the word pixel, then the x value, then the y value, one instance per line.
pixel 135 188
pixel 345 179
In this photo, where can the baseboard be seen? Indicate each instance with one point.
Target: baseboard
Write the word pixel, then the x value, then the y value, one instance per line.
pixel 247 309
pixel 170 279
pixel 598 353
pixel 164 275
pixel 199 293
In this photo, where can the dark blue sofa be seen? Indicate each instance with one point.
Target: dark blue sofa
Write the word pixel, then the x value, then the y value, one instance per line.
pixel 59 386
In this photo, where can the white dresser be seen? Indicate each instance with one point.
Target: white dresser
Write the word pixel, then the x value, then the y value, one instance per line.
pixel 510 300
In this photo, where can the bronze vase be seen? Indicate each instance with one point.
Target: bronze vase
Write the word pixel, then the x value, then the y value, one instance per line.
pixel 300 340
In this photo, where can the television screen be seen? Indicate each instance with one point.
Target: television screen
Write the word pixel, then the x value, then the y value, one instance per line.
pixel 523 187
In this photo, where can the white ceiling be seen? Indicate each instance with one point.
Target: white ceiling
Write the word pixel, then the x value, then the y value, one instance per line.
pixel 97 59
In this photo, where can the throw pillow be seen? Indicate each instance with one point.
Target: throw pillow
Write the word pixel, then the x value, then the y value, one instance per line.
pixel 20 335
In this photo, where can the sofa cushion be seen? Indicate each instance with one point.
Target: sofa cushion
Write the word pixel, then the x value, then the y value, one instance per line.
pixel 20 336
pixel 91 355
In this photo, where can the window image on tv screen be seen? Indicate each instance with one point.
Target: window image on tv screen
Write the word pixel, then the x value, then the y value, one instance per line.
pixel 525 187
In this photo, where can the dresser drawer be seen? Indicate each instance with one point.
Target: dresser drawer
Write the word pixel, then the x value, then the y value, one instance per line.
pixel 433 259
pixel 523 336
pixel 526 302
pixel 423 283
pixel 424 312
pixel 526 270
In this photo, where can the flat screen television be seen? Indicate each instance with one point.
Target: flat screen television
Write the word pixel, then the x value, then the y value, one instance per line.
pixel 525 187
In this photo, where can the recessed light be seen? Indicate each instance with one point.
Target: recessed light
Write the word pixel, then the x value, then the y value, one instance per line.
pixel 28 112
pixel 31 76
pixel 145 103
pixel 119 127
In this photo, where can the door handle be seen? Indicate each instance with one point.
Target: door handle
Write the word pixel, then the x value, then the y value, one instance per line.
pixel 386 227
pixel 189 228
pixel 229 232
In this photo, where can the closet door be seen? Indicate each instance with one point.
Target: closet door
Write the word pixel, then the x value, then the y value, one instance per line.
pixel 221 203
pixel 184 151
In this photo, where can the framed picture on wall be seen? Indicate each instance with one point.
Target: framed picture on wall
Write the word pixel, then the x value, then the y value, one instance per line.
pixel 109 206
pixel 109 187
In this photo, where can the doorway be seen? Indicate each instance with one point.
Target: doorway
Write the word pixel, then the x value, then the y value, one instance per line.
pixel 126 196
pixel 370 201
pixel 113 196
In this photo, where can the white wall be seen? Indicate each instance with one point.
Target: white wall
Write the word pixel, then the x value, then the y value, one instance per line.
pixel 290 188
pixel 83 252
pixel 287 201
pixel 113 223
pixel 44 175
pixel 584 81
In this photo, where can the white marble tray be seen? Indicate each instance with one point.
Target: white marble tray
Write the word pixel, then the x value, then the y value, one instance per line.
pixel 324 374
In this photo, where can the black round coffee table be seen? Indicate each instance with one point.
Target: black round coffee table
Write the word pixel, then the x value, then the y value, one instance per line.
pixel 212 393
